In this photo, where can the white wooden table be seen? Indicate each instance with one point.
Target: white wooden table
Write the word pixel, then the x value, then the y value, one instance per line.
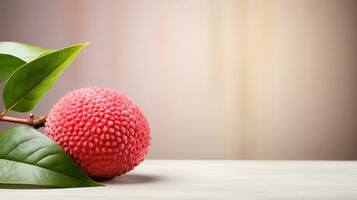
pixel 185 179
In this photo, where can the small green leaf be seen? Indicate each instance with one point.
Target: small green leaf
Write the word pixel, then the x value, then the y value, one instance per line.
pixel 27 157
pixel 31 81
pixel 8 64
pixel 25 52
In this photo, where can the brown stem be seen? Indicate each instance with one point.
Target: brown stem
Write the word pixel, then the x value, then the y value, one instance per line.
pixel 31 121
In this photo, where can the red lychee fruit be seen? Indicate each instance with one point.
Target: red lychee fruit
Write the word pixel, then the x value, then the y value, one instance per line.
pixel 104 131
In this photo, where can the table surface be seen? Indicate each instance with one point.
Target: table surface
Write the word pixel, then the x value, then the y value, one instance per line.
pixel 225 179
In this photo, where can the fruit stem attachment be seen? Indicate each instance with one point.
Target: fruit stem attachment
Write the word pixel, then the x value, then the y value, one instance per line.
pixel 31 121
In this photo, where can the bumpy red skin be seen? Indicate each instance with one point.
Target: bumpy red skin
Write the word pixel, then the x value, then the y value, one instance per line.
pixel 104 131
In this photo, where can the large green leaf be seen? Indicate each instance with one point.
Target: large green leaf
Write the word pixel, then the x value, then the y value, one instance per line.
pixel 8 64
pixel 31 81
pixel 28 157
pixel 25 52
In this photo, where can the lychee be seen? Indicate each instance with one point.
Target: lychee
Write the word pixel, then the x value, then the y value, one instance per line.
pixel 104 131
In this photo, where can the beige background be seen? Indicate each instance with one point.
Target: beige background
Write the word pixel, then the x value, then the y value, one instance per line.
pixel 217 79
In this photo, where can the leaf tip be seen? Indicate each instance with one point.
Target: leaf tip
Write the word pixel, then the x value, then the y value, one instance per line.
pixel 84 44
pixel 97 184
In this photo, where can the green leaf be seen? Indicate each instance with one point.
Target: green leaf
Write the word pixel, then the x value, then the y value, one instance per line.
pixel 25 52
pixel 13 55
pixel 28 157
pixel 8 64
pixel 31 81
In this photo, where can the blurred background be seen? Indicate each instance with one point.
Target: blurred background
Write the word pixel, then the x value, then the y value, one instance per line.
pixel 217 79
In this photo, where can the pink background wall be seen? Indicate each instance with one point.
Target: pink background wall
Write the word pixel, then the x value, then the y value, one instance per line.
pixel 217 79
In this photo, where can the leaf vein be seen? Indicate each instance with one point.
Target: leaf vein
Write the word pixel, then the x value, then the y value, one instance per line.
pixel 37 150
pixel 47 157
pixel 17 145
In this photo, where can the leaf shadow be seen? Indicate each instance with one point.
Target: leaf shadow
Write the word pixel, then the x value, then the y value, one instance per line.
pixel 127 179
pixel 134 179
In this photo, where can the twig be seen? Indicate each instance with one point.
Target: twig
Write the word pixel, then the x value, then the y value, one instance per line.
pixel 31 121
